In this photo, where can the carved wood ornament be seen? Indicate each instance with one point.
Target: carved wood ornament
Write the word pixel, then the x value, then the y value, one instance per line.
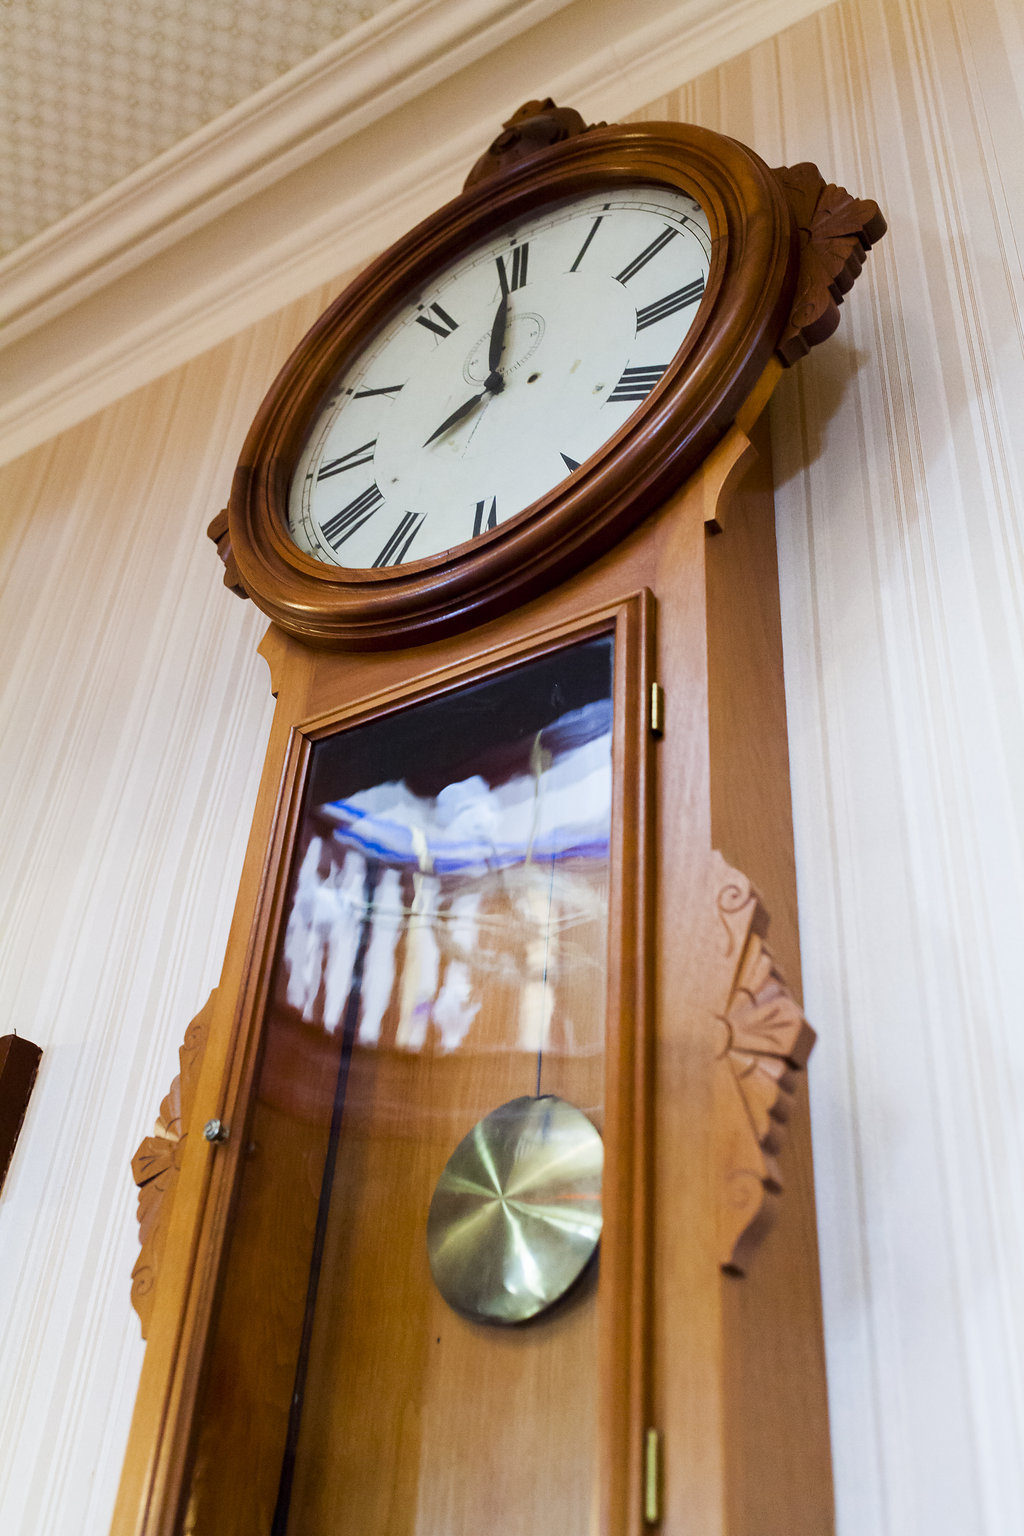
pixel 218 532
pixel 157 1163
pixel 535 126
pixel 836 232
pixel 766 1041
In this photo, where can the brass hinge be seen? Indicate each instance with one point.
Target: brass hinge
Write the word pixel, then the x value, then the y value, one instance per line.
pixel 657 716
pixel 652 1477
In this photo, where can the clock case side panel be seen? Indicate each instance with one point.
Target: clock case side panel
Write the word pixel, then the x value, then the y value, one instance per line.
pixel 746 304
pixel 775 1425
pixel 156 1495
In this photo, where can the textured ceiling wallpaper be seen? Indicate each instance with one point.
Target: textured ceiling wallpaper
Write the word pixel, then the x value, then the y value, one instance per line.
pixel 92 89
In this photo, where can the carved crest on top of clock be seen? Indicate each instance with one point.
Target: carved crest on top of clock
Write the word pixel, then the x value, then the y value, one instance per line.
pixel 534 126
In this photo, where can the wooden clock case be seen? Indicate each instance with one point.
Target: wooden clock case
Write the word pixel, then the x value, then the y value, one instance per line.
pixel 708 1382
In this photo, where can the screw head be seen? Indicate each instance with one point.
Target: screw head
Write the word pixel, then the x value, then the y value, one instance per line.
pixel 215 1130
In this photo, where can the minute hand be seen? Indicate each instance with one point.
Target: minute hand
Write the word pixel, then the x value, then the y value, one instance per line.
pixel 455 416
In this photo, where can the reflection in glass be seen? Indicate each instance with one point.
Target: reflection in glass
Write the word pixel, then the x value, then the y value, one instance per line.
pixel 494 878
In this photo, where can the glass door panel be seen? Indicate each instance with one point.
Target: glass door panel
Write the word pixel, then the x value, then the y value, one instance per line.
pixel 443 951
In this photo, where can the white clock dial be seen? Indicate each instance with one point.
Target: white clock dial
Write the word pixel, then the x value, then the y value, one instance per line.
pixel 496 383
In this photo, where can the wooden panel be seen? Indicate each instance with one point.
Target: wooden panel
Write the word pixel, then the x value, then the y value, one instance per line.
pixel 414 1416
pixel 776 1482
pixel 19 1063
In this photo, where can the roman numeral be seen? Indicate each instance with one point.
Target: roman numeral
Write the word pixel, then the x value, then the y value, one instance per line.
pixel 479 526
pixel 652 313
pixel 442 329
pixel 586 243
pixel 344 523
pixel 570 464
pixel 520 256
pixel 387 389
pixel 637 383
pixel 396 548
pixel 647 254
pixel 350 460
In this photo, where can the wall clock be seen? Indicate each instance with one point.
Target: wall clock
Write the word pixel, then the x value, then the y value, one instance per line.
pixel 496 988
pixel 511 388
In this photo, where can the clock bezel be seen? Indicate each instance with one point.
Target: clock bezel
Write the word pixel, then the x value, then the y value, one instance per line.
pixel 745 307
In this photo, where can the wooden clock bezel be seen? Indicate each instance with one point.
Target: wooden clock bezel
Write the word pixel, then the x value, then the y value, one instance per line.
pixel 747 302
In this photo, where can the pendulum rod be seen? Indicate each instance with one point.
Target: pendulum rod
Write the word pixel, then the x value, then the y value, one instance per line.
pixel 544 978
pixel 540 761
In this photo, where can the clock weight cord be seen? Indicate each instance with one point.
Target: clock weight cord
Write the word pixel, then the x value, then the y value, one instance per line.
pixel 544 975
pixel 350 1023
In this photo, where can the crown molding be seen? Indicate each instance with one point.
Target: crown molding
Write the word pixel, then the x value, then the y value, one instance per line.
pixel 371 70
pixel 308 177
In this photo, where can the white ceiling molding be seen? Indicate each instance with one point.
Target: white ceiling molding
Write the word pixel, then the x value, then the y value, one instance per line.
pixel 360 78
pixel 306 179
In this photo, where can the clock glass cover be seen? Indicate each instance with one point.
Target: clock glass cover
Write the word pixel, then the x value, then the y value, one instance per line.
pixel 495 383
pixel 442 951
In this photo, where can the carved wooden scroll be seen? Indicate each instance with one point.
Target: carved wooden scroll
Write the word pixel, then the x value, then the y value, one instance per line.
pixel 156 1164
pixel 836 232
pixel 218 532
pixel 766 1042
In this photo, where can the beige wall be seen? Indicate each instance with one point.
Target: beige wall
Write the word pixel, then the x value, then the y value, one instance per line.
pixel 135 712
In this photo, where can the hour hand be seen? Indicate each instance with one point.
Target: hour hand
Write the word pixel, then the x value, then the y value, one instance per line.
pixel 455 416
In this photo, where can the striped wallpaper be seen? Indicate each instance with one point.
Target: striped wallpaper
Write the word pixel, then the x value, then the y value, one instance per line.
pixel 135 714
pixel 900 514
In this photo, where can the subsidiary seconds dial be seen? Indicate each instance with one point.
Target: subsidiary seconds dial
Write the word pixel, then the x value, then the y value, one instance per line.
pixel 496 382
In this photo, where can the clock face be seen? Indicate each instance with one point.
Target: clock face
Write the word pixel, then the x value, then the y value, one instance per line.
pixel 495 383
